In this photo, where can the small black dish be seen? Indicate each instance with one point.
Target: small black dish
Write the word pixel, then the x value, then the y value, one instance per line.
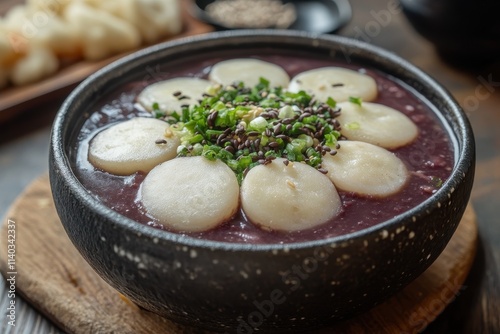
pixel 316 16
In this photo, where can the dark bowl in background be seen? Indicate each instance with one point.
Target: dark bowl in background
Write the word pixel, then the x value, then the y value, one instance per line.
pixel 464 32
pixel 318 16
pixel 221 286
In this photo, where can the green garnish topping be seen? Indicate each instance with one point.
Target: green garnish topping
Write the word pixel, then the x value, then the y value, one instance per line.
pixel 248 126
pixel 157 113
pixel 353 126
pixel 331 102
pixel 436 181
pixel 355 100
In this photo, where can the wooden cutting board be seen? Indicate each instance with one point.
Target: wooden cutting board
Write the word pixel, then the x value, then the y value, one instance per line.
pixel 53 276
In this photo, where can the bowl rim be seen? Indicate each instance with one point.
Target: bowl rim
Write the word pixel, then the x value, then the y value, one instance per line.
pixel 61 162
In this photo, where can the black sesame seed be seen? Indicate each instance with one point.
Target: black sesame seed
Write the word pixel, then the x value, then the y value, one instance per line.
pixel 306 131
pixel 304 115
pixel 256 143
pixel 211 118
pixel 160 142
pixel 277 129
pixel 177 93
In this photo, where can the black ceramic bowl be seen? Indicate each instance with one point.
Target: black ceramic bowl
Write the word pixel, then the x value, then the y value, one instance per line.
pixel 222 286
pixel 463 32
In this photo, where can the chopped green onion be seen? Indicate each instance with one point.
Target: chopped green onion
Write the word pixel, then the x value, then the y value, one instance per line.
pixel 353 126
pixel 437 181
pixel 331 102
pixel 286 112
pixel 355 100
pixel 258 124
pixel 248 126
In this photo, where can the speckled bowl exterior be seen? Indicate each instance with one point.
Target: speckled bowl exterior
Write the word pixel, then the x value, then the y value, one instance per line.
pixel 238 288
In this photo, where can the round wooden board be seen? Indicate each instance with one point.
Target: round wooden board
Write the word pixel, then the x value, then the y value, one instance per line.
pixel 53 276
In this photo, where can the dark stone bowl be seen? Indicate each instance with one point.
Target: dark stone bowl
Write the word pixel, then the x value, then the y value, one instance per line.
pixel 240 287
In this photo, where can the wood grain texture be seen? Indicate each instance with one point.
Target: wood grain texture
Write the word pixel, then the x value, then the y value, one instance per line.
pixel 56 280
pixel 15 100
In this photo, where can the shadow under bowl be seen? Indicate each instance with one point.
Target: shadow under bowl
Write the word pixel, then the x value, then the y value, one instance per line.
pixel 279 287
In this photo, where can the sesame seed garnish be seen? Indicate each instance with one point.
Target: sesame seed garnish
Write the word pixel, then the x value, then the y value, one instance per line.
pixel 274 144
pixel 290 184
pixel 245 127
pixel 160 141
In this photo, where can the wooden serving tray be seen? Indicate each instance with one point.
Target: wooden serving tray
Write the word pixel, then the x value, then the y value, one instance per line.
pixel 53 276
pixel 16 100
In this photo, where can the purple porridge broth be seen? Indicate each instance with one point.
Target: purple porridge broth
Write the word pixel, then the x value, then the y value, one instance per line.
pixel 430 155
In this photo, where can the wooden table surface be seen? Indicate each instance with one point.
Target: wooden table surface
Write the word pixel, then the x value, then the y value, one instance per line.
pixel 24 152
